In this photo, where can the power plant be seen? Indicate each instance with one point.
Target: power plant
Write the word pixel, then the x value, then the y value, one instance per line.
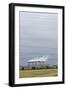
pixel 39 62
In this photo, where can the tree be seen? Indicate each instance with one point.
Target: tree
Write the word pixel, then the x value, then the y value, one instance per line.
pixel 22 68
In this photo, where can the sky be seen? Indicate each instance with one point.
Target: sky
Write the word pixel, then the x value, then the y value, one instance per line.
pixel 38 36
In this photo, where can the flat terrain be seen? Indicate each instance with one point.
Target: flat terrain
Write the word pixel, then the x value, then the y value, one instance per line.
pixel 38 73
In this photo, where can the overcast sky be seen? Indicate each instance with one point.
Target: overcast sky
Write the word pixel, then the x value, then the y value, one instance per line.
pixel 38 36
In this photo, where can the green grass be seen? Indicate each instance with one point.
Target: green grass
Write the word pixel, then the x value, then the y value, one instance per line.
pixel 38 73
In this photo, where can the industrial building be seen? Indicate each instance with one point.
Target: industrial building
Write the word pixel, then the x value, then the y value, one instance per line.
pixel 39 62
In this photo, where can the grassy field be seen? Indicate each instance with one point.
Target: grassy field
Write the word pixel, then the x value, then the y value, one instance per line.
pixel 38 73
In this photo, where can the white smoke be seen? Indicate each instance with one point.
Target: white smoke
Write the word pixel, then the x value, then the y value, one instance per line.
pixel 42 58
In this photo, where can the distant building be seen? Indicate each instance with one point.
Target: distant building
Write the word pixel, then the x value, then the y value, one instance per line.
pixel 38 62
